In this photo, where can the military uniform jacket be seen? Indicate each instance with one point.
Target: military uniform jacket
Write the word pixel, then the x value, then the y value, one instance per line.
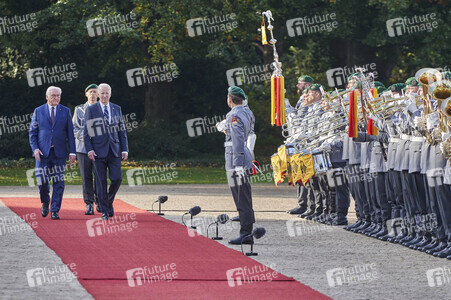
pixel 240 122
pixel 79 124
pixel 375 162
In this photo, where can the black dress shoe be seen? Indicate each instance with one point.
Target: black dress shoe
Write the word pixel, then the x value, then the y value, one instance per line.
pixel 242 239
pixel 362 226
pixel 432 244
pixel 307 213
pixel 98 208
pixel 444 253
pixel 235 219
pixel 442 245
pixel 45 209
pixel 380 233
pixel 111 214
pixel 399 237
pixel 105 216
pixel 55 216
pixel 425 241
pixel 417 238
pixel 89 209
pixel 448 257
pixel 356 224
pixel 297 211
pixel 339 222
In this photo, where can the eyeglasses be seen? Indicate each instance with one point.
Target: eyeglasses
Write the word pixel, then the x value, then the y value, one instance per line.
pixel 55 95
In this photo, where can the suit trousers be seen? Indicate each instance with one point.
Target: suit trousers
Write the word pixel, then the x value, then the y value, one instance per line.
pixel 106 195
pixel 438 229
pixel 302 195
pixel 87 178
pixel 242 196
pixel 51 168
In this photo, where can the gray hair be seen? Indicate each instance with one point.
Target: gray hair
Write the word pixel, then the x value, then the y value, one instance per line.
pixel 50 88
pixel 104 85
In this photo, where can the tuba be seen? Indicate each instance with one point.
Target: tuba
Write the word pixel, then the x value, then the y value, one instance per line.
pixel 427 77
pixel 441 92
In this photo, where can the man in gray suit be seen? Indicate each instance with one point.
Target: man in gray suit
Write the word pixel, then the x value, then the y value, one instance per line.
pixel 238 160
pixel 86 165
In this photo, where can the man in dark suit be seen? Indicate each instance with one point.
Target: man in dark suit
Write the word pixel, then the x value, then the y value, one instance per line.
pixel 86 165
pixel 50 132
pixel 106 142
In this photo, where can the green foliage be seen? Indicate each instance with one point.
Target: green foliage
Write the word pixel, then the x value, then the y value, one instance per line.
pixel 161 37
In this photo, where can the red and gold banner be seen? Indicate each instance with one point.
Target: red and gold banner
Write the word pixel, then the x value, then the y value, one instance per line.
pixel 372 130
pixel 353 115
pixel 277 100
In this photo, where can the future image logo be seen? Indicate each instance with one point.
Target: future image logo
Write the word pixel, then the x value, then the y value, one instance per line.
pixel 207 25
pixel 409 25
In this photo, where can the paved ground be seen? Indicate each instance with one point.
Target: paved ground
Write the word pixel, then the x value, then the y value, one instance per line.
pixel 308 252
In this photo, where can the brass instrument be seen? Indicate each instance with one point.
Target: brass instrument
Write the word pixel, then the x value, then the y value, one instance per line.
pixel 441 92
pixel 427 77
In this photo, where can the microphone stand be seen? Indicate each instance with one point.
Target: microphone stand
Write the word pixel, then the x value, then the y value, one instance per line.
pixel 252 253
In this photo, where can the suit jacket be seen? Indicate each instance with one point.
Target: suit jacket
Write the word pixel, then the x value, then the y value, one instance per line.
pixel 100 136
pixel 79 124
pixel 43 132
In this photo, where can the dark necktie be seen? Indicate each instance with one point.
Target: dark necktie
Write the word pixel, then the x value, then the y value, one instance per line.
pixel 106 116
pixel 53 115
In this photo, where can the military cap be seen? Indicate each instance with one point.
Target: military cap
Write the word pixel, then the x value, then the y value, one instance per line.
pixel 412 81
pixel 305 78
pixel 235 90
pixel 396 87
pixel 379 84
pixel 315 87
pixel 91 86
pixel 446 75
pixel 352 75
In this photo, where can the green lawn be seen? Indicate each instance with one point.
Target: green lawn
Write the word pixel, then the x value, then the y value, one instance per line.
pixel 138 176
pixel 177 175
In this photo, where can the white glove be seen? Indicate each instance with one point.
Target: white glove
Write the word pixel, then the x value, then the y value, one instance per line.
pixel 411 104
pixel 416 121
pixel 433 120
pixel 239 171
pixel 221 126
pixel 326 146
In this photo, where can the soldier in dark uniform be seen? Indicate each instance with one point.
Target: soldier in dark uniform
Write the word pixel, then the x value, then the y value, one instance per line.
pixel 85 164
pixel 304 82
pixel 238 160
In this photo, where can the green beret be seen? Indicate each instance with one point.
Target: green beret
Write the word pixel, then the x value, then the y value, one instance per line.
pixel 396 87
pixel 378 84
pixel 305 78
pixel 352 75
pixel 412 81
pixel 380 89
pixel 446 75
pixel 91 86
pixel 235 90
pixel 315 87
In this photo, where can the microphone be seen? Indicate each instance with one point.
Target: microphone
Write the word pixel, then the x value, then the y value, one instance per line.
pixel 193 211
pixel 161 199
pixel 221 219
pixel 258 233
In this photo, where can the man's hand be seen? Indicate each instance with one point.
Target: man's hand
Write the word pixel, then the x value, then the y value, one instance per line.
pixel 124 155
pixel 91 155
pixel 37 154
pixel 72 158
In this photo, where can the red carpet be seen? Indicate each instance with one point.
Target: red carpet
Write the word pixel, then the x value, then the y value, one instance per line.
pixel 182 267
